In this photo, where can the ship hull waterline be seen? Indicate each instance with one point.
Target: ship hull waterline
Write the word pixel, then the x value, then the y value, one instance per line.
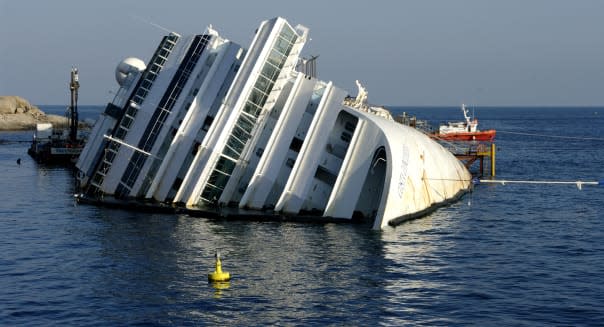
pixel 238 214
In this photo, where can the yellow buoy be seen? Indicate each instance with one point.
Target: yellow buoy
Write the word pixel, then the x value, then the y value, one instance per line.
pixel 218 275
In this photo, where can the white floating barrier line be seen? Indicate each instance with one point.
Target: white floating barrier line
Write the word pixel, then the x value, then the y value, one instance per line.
pixel 553 136
pixel 579 184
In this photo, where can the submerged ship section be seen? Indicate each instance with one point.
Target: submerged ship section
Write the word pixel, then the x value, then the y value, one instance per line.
pixel 209 125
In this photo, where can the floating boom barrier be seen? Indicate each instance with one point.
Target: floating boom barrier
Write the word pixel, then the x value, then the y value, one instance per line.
pixel 579 184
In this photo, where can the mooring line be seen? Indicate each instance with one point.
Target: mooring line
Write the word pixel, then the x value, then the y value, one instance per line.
pixel 554 136
pixel 579 184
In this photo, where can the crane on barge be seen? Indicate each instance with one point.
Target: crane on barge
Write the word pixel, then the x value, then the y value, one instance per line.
pixel 57 145
pixel 74 86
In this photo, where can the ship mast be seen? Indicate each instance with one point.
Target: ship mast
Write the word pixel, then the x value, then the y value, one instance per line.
pixel 74 85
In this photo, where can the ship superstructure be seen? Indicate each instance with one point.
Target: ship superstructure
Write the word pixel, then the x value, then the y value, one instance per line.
pixel 209 125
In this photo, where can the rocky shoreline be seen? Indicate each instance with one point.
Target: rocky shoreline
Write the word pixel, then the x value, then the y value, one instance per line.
pixel 17 114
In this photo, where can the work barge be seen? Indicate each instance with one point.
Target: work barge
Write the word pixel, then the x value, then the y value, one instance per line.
pixel 475 154
pixel 209 128
pixel 59 144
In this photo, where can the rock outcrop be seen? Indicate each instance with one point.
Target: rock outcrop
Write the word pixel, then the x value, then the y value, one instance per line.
pixel 17 114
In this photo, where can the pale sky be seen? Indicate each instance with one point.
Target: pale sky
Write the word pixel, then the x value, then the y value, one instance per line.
pixel 406 52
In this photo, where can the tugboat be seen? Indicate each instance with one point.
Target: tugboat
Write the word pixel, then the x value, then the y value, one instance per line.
pixel 464 131
pixel 59 145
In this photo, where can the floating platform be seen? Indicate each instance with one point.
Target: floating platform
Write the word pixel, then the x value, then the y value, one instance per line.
pixel 477 152
pixel 53 146
pixel 467 150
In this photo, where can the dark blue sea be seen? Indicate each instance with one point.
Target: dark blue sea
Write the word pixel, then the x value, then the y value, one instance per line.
pixel 504 255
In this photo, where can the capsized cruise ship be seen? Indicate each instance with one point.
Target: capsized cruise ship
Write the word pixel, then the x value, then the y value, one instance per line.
pixel 209 125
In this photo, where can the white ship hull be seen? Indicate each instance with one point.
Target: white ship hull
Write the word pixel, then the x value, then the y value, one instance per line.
pixel 220 127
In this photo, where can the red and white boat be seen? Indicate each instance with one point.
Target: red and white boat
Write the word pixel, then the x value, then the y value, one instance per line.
pixel 464 131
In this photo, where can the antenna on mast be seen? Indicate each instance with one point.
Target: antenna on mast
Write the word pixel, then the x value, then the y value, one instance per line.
pixel 74 85
pixel 151 23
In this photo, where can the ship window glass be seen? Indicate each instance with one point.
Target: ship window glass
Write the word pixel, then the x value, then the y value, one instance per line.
pixel 258 97
pixel 325 176
pixel 235 143
pixel 151 76
pixel 245 124
pixel 252 109
pixel 276 59
pixel 240 133
pixel 177 183
pixel 120 133
pixel 290 162
pixel 287 33
pixel 238 139
pixel 146 84
pixel 249 118
pixel 121 191
pixel 130 170
pixel 349 126
pixel 282 45
pixel 264 84
pixel 142 93
pixel 195 148
pixel 172 38
pixel 210 194
pixel 345 137
pixel 225 165
pixel 131 111
pixel 126 121
pixel 162 115
pixel 113 146
pixel 98 179
pixel 296 144
pixel 155 68
pixel 109 156
pixel 218 179
pixel 230 152
pixel 270 71
pixel 207 123
pixel 137 99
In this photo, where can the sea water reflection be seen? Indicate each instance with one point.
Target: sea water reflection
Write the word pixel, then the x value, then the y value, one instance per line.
pixel 157 266
pixel 518 255
pixel 417 273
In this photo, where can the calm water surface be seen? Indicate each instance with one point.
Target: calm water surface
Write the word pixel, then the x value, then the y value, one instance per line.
pixel 517 255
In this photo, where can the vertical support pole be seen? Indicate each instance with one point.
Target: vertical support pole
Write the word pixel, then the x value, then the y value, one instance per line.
pixel 493 159
pixel 74 85
pixel 481 165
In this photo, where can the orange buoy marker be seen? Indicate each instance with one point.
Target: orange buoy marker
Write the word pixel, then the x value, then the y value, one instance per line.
pixel 218 275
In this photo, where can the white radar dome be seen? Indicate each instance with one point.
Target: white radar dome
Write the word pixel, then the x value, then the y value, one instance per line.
pixel 126 67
